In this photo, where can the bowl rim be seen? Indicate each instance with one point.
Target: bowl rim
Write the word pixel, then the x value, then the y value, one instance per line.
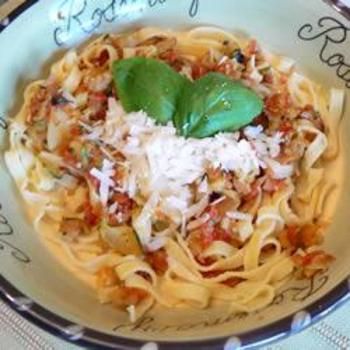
pixel 84 336
pixel 88 337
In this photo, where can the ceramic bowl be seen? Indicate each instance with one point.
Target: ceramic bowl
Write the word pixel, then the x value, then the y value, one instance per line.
pixel 44 292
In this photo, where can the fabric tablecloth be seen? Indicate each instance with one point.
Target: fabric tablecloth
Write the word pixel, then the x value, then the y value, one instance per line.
pixel 332 333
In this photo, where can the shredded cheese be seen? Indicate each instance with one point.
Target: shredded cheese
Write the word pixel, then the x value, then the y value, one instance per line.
pixel 160 161
pixel 240 216
pixel 132 312
pixel 104 176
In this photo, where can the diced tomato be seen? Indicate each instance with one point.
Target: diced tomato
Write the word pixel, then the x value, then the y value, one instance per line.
pixel 211 274
pixel 98 105
pixel 301 237
pixel 223 206
pixel 119 174
pixel 233 281
pixel 124 210
pixel 125 296
pixel 102 59
pixel 252 194
pixel 207 240
pixel 100 114
pixel 298 260
pixel 92 215
pixel 309 113
pixel 286 126
pixel 205 261
pixel 158 261
pixel 318 259
pixel 122 198
pixel 75 131
pixel 313 262
pixel 68 156
pixel 284 79
pixel 125 203
pixel 106 277
pixel 169 56
pixel 262 120
pixel 227 68
pixel 308 258
pixel 206 235
pixel 277 105
pixel 255 189
pixel 81 89
pixel 195 243
pixel 222 235
pixel 98 96
pixel 293 236
pixel 268 78
pixel 116 219
pixel 213 213
pixel 311 235
pixel 132 296
pixel 272 185
pixel 211 234
pixel 72 227
pixel 36 103
pixel 198 70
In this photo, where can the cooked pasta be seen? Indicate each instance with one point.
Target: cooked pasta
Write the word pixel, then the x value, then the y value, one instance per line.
pixel 158 218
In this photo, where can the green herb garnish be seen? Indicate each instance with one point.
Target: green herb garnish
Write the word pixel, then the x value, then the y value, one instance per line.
pixel 149 85
pixel 216 103
pixel 84 156
pixel 212 104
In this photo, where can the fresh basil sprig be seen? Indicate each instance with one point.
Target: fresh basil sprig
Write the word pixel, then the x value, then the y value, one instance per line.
pixel 211 104
pixel 149 85
pixel 215 103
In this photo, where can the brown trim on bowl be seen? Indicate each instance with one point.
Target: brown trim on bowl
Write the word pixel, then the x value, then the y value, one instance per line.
pixel 340 7
pixel 90 338
pixel 8 15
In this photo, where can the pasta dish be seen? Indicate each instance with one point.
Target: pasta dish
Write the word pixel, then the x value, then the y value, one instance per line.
pixel 181 169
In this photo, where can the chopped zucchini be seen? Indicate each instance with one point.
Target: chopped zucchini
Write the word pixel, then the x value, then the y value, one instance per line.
pixel 122 239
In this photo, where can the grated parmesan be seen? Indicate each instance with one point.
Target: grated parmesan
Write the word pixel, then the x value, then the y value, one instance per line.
pixel 104 176
pixel 132 312
pixel 240 216
pixel 160 161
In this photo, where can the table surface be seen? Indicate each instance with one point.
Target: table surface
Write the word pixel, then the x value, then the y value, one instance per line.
pixel 332 333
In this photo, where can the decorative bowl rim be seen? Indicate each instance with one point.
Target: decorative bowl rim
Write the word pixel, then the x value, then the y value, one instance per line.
pixel 88 337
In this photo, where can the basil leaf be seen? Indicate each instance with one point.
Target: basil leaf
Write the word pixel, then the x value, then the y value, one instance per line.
pixel 215 103
pixel 149 85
